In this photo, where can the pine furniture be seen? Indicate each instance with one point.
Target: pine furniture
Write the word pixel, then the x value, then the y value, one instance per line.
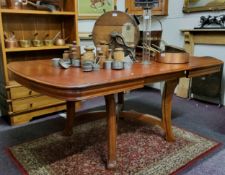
pixel 18 103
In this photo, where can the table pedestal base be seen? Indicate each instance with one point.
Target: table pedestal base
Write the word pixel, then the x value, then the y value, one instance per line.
pixel 111 114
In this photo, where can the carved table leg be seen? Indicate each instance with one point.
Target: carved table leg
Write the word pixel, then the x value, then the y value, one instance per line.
pixel 168 92
pixel 112 130
pixel 70 111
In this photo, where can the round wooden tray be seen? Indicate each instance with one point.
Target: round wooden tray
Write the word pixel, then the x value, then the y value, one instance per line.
pixel 116 21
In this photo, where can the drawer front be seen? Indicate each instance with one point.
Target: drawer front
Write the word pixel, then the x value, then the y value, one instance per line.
pixel 31 103
pixel 21 92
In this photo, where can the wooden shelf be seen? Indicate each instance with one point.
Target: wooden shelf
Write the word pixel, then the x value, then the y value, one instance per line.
pixel 24 23
pixel 85 35
pixel 37 12
pixel 19 49
pixel 204 30
pixel 12 83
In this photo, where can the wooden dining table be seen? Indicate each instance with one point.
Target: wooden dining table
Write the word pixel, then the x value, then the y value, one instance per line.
pixel 73 85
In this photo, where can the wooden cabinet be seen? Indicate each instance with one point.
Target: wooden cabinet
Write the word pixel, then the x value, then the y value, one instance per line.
pixel 161 9
pixel 18 103
pixel 188 88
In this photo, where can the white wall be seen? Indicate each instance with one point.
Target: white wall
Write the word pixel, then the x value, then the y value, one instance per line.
pixel 177 20
pixel 172 24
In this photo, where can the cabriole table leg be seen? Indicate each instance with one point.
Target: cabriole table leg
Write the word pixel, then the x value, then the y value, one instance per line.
pixel 167 96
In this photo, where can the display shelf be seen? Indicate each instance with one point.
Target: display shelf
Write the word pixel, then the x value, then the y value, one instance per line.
pixel 29 23
pixel 19 49
pixel 12 83
pixel 37 12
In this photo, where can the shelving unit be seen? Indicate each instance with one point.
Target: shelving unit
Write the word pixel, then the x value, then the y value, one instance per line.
pixel 19 49
pixel 19 104
pixel 37 12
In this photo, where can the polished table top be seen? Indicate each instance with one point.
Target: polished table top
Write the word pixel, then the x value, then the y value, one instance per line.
pixel 73 85
pixel 43 73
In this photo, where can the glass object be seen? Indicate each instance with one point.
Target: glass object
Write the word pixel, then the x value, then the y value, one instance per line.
pixel 146 35
pixel 145 3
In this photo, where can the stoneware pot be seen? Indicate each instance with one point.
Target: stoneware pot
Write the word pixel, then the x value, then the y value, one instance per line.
pixel 117 65
pixel 66 54
pixel 87 67
pixel 107 64
pixel 55 62
pixel 127 65
pixel 75 62
pixel 89 54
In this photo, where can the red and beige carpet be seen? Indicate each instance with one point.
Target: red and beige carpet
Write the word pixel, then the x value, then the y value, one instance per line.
pixel 141 149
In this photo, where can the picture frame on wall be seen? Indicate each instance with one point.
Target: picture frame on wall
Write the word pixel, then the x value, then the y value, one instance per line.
pixel 203 5
pixel 159 10
pixel 92 9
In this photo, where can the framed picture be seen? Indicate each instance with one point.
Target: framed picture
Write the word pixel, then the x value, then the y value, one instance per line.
pixel 92 9
pixel 203 5
pixel 160 9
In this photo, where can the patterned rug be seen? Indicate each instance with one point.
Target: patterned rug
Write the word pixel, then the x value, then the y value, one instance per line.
pixel 141 150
